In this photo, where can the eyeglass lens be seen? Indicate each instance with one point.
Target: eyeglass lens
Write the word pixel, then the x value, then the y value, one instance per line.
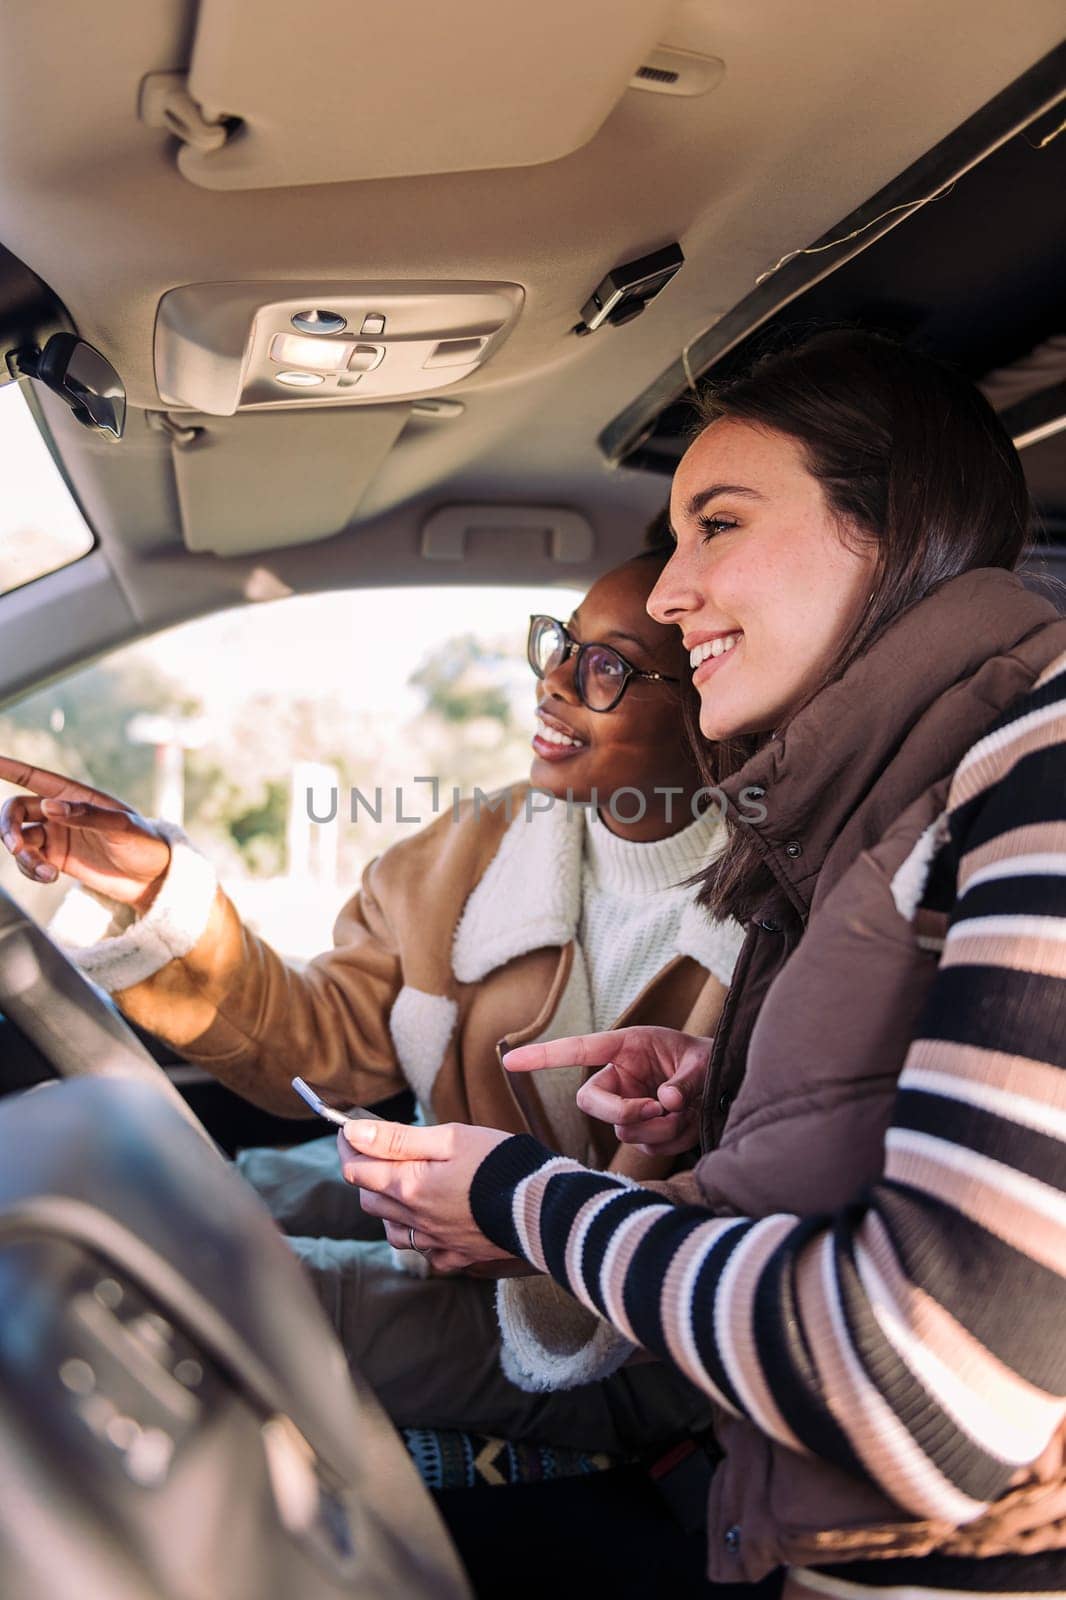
pixel 600 676
pixel 601 672
pixel 547 645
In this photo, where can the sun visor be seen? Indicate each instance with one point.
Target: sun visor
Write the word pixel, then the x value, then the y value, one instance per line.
pixel 254 483
pixel 330 93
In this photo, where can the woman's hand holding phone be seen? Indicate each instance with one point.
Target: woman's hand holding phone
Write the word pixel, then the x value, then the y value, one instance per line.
pixel 328 1103
pixel 417 1180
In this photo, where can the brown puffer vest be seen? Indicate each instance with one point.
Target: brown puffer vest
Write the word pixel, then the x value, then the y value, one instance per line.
pixel 825 999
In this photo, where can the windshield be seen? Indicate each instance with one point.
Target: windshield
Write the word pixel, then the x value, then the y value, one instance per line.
pixel 338 725
pixel 41 527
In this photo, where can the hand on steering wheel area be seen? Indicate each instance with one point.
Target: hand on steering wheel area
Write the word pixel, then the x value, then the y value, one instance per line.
pixel 66 826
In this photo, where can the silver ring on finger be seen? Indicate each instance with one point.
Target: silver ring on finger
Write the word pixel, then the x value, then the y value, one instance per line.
pixel 417 1248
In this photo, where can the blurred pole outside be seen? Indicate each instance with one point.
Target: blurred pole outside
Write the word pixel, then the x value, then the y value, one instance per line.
pixel 295 911
pixel 313 846
pixel 171 737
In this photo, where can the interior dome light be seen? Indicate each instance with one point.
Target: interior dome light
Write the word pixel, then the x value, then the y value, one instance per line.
pixel 319 321
pixel 300 380
pixel 321 355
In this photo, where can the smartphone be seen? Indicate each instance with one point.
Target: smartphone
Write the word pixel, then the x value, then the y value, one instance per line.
pixel 330 1104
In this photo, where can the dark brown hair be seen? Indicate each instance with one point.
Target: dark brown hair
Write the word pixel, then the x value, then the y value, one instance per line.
pixel 658 535
pixel 911 457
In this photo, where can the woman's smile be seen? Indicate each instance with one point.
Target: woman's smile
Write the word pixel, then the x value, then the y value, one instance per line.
pixel 554 740
pixel 710 653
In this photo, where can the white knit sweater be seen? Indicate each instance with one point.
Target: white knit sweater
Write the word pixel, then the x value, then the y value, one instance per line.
pixel 628 929
pixel 631 904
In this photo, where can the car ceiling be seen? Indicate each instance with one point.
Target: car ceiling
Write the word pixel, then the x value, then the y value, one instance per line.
pixel 974 277
pixel 818 108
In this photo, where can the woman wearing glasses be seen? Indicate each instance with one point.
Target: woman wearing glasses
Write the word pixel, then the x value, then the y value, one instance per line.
pixel 532 916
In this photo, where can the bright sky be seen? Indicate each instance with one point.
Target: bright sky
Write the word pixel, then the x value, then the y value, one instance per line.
pixel 361 644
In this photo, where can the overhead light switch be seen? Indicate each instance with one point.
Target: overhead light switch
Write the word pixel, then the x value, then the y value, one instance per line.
pixel 365 357
pixel 321 355
pixel 373 325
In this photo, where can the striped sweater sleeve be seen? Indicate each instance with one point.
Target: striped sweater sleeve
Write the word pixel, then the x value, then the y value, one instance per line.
pixel 915 1337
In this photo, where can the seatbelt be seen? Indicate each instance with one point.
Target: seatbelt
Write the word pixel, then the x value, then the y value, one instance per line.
pixel 682 1475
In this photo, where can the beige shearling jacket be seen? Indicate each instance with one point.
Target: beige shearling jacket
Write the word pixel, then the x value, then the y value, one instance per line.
pixel 460 938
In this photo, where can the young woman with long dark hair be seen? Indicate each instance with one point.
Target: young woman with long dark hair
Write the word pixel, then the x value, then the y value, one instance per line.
pixel 866 1271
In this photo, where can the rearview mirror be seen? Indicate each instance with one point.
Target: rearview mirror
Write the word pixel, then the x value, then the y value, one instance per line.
pixel 82 377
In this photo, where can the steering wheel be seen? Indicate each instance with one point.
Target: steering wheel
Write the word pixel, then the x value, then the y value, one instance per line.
pixel 175 1408
pixel 56 1007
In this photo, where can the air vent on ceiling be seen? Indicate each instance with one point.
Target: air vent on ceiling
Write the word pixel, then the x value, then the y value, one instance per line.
pixel 680 72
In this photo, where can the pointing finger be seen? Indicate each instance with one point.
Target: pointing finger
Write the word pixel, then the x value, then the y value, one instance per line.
pixel 583 1050
pixel 53 785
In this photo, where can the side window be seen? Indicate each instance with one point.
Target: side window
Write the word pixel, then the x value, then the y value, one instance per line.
pixel 287 738
pixel 41 527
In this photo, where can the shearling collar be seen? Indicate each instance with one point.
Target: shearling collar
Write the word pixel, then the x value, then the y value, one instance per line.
pixel 529 898
pixel 899 720
pixel 529 895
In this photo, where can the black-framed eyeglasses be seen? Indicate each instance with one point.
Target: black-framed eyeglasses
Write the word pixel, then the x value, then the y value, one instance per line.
pixel 601 673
